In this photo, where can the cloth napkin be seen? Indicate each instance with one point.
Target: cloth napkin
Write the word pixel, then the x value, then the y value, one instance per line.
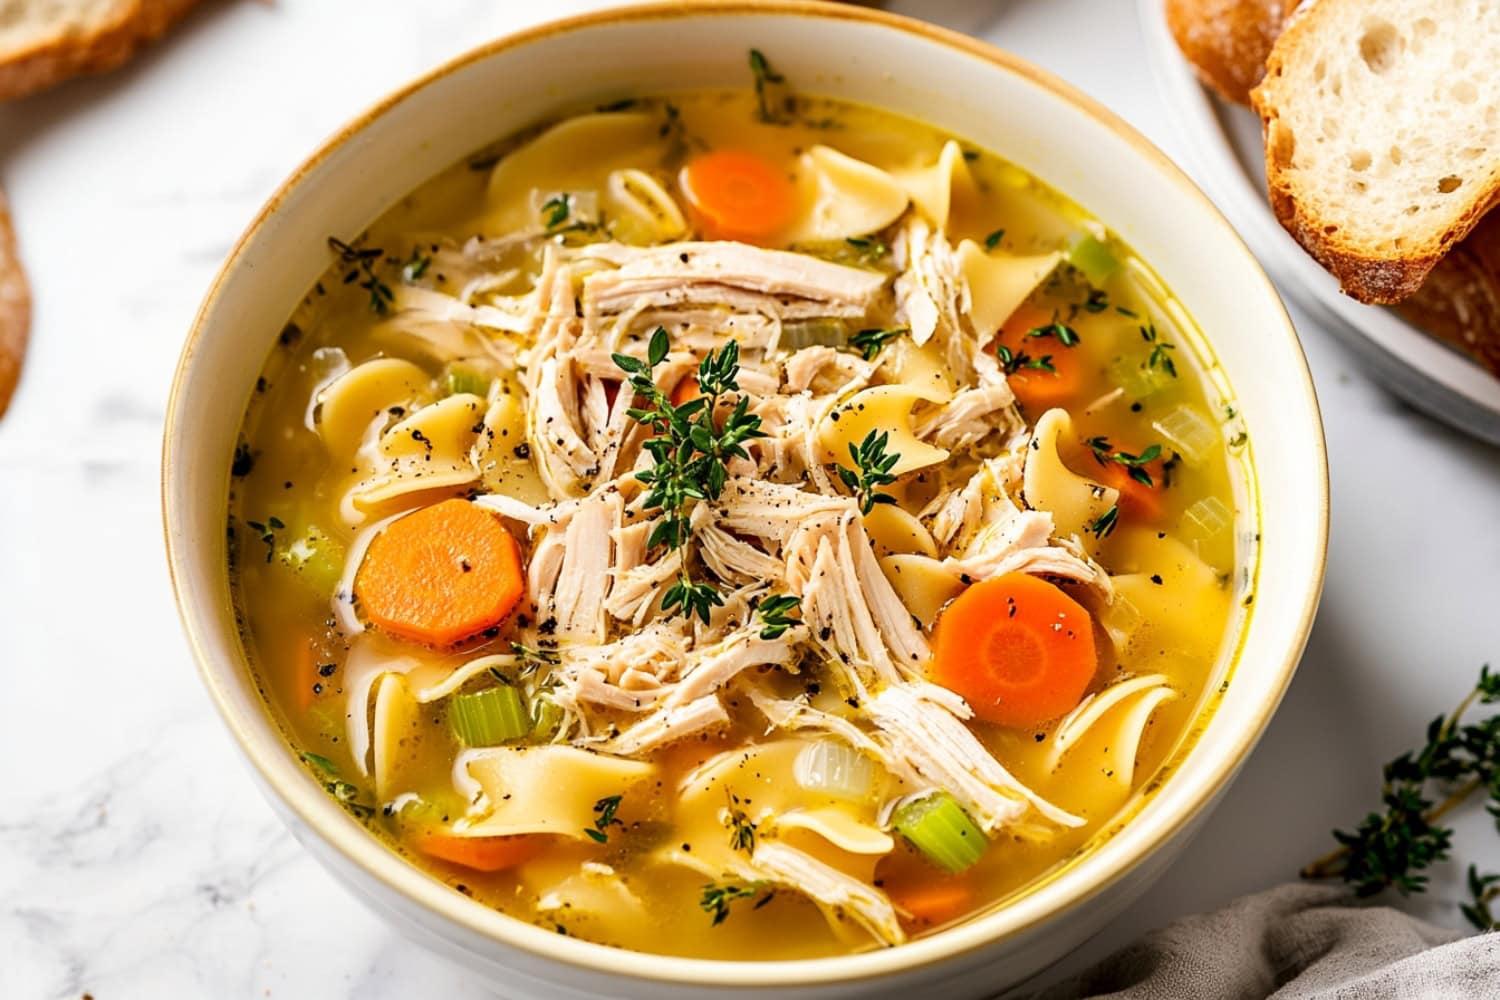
pixel 1295 942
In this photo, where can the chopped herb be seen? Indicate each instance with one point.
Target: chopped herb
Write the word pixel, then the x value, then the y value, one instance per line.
pixel 764 75
pixel 532 658
pixel 871 248
pixel 1127 312
pixel 348 797
pixel 623 104
pixel 1394 846
pixel 1065 334
pixel 775 614
pixel 870 343
pixel 872 469
pixel 1159 351
pixel 1105 523
pixel 993 239
pixel 1097 301
pixel 741 829
pixel 556 210
pixel 716 899
pixel 321 763
pixel 1230 412
pixel 361 268
pixel 688 450
pixel 416 265
pixel 1015 361
pixel 604 818
pixel 1239 440
pixel 1104 454
pixel 267 533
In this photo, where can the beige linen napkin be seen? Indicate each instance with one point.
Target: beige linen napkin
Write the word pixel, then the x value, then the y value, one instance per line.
pixel 1295 942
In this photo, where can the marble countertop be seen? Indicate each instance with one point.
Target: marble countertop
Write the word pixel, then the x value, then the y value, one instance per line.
pixel 137 858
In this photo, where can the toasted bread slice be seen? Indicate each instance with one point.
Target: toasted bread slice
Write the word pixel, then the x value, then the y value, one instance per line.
pixel 1460 301
pixel 44 42
pixel 1227 41
pixel 1382 127
pixel 15 309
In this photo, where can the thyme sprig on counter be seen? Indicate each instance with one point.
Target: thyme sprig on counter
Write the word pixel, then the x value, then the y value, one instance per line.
pixel 689 446
pixel 1393 847
pixel 872 469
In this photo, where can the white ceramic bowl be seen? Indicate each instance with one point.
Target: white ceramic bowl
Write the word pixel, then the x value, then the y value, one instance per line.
pixel 953 82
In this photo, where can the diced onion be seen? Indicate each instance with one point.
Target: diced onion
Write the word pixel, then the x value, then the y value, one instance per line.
pixel 547 718
pixel 490 717
pixel 835 769
pixel 1206 519
pixel 1120 619
pixel 1188 432
pixel 937 826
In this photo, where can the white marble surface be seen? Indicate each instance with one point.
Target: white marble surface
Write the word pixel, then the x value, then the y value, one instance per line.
pixel 136 858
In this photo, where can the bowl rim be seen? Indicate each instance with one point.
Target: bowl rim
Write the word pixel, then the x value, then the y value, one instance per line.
pixel 276 767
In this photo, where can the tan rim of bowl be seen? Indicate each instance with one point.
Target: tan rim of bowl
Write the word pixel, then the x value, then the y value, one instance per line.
pixel 291 783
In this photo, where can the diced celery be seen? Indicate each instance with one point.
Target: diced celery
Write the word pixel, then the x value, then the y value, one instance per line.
pixel 462 378
pixel 546 719
pixel 1092 258
pixel 490 717
pixel 317 559
pixel 1120 619
pixel 937 826
pixel 797 334
pixel 1139 380
pixel 836 769
pixel 1206 520
pixel 1187 431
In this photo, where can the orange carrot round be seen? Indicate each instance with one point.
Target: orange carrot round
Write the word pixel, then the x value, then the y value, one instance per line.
pixel 686 390
pixel 441 575
pixel 935 901
pixel 1038 389
pixel 1018 649
pixel 1138 502
pixel 482 854
pixel 738 195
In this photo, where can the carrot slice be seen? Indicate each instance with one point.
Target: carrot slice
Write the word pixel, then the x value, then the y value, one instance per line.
pixel 483 854
pixel 441 575
pixel 686 391
pixel 1037 389
pixel 933 902
pixel 304 675
pixel 1139 503
pixel 1018 649
pixel 738 195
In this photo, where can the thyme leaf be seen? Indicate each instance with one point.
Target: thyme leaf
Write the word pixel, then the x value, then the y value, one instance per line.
pixel 870 343
pixel 872 469
pixel 776 613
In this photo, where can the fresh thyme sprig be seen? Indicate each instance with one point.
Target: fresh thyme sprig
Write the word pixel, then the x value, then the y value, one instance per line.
pixel 1065 334
pixel 872 469
pixel 1105 523
pixel 688 450
pixel 741 828
pixel 870 343
pixel 267 533
pixel 532 657
pixel 1105 453
pixel 1159 357
pixel 361 262
pixel 716 898
pixel 775 613
pixel 604 818
pixel 1393 847
pixel 1014 361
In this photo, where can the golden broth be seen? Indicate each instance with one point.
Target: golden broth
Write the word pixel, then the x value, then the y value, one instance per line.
pixel 289 521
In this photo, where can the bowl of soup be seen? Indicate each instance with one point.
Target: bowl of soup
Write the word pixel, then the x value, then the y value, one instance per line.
pixel 773 497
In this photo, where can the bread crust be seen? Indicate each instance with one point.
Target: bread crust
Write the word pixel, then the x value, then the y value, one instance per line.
pixel 1227 41
pixel 15 309
pixel 1459 303
pixel 1377 278
pixel 64 54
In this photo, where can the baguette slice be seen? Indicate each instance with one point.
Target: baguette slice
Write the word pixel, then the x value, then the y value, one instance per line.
pixel 1382 129
pixel 1227 41
pixel 15 310
pixel 44 42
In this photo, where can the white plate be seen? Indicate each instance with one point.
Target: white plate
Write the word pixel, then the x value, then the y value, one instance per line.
pixel 1225 155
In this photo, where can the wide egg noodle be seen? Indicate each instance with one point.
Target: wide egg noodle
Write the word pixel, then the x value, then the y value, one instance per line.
pixel 845 197
pixel 881 409
pixel 545 789
pixel 1075 503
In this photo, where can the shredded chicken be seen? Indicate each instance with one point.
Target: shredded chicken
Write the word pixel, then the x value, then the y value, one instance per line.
pixel 785 864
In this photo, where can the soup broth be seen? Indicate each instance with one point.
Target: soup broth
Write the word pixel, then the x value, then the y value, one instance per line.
pixel 737 526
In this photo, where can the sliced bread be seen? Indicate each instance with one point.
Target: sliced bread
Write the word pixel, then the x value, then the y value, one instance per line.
pixel 1227 41
pixel 44 42
pixel 1382 129
pixel 15 309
